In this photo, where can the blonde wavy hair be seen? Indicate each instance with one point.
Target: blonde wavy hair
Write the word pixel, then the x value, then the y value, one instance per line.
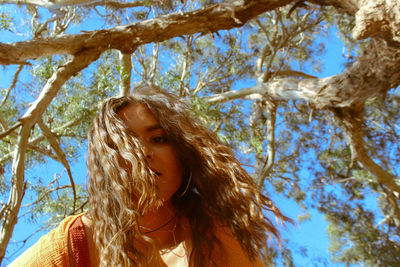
pixel 220 191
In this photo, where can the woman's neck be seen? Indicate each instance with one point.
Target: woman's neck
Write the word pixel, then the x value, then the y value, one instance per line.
pixel 164 226
pixel 174 230
pixel 159 219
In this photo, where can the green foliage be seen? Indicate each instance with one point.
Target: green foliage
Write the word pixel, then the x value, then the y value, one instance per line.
pixel 355 238
pixel 5 21
pixel 312 166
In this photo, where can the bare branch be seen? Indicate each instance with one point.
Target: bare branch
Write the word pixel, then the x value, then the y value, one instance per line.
pixel 9 217
pixel 292 73
pixel 271 107
pixel 154 62
pixel 14 81
pixel 60 154
pixel 127 38
pixel 33 114
pixel 87 3
pixel 125 74
pixel 10 130
pixel 36 140
pixel 43 151
pixel 48 192
pixel 139 56
pixel 53 85
pixel 378 18
pixel 119 5
pixel 185 66
pixel 343 90
pixel 351 119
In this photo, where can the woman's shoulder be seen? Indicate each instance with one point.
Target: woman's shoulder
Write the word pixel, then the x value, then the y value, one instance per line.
pixel 232 253
pixel 51 249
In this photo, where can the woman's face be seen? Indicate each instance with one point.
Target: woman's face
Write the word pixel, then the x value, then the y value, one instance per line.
pixel 160 153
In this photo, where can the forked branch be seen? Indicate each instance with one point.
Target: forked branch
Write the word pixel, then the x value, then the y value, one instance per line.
pixel 55 145
pixel 28 120
pixel 352 119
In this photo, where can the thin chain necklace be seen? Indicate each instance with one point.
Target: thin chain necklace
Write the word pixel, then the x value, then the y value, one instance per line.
pixel 162 226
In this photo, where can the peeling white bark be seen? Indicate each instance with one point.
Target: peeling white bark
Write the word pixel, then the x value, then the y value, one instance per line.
pixel 356 84
pixel 10 211
pixel 53 4
pixel 127 38
pixel 61 157
pixel 378 18
pixel 125 74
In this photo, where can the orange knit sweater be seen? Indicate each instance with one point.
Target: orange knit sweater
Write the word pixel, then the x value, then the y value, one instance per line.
pixel 53 249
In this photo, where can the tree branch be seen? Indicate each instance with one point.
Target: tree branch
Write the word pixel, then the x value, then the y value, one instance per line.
pixel 125 74
pixel 352 87
pixel 60 154
pixel 12 85
pixel 32 143
pixel 216 17
pixel 53 85
pixel 10 212
pixel 352 120
pixel 378 18
pixel 271 108
pixel 28 120
pixel 10 130
pixel 88 3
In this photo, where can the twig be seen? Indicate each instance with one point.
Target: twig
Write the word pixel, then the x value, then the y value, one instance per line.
pixel 10 130
pixel 271 107
pixel 14 81
pixel 60 154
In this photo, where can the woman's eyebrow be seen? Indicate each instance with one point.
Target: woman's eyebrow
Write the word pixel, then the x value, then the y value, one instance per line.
pixel 154 127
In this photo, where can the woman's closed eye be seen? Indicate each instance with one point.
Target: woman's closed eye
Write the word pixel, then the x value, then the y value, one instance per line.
pixel 159 139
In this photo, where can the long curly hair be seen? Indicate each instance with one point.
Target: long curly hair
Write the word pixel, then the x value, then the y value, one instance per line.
pixel 217 189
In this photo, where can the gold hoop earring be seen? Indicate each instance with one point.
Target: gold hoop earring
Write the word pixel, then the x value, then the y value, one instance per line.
pixel 187 186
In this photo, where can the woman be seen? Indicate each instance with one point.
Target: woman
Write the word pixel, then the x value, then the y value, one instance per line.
pixel 163 191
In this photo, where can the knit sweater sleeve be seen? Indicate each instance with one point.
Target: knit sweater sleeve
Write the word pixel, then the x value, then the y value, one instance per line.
pixel 233 254
pixel 50 250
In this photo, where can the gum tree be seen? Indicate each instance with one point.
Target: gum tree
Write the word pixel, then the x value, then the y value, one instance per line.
pixel 341 129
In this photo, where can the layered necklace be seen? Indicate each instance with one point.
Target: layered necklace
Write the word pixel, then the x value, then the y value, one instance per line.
pixel 163 225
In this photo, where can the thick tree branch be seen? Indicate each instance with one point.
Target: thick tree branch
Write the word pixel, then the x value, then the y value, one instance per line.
pixel 357 83
pixel 126 38
pixel 352 119
pixel 88 3
pixel 378 18
pixel 348 6
pixel 373 17
pixel 53 85
pixel 10 211
pixel 28 120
